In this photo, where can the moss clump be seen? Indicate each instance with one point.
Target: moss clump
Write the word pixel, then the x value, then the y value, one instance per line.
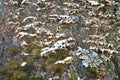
pixel 31 30
pixel 59 70
pixel 35 51
pixel 13 64
pixel 41 4
pixel 34 76
pixel 19 75
pixel 93 72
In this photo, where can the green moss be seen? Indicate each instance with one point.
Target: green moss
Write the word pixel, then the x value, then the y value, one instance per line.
pixel 13 49
pixel 41 4
pixel 19 75
pixel 14 64
pixel 3 70
pixel 62 54
pixel 59 70
pixel 72 76
pixel 31 30
pixel 34 76
pixel 93 72
pixel 32 47
pixel 47 61
pixel 35 51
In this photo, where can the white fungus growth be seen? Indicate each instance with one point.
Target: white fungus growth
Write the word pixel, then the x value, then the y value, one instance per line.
pixel 24 63
pixel 59 45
